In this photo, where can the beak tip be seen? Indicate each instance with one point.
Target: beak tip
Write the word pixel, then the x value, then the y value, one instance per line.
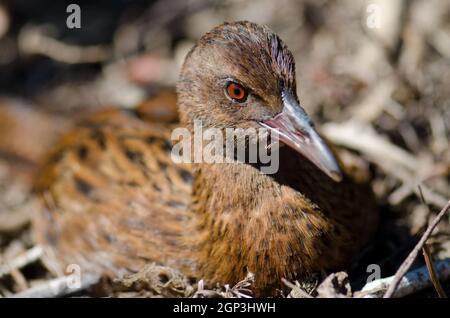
pixel 336 175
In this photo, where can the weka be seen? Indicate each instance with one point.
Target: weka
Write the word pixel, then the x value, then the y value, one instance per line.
pixel 114 200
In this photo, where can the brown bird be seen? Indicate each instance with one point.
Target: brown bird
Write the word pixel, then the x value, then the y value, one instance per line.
pixel 113 199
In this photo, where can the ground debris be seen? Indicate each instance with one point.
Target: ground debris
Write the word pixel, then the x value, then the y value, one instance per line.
pixel 381 93
pixel 336 285
pixel 153 281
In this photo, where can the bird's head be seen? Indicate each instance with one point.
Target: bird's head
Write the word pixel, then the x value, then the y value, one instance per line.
pixel 241 75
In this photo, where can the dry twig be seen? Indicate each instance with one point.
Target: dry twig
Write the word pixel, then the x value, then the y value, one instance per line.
pixel 432 272
pixel 428 258
pixel 412 256
pixel 22 260
pixel 34 40
pixel 411 283
pixel 392 159
pixel 59 287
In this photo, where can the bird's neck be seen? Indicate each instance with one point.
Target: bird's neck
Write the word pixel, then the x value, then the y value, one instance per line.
pixel 248 221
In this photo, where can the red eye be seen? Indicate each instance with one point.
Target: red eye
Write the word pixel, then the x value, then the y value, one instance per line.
pixel 236 92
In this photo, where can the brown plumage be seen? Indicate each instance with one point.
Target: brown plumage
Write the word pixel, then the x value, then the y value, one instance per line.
pixel 113 200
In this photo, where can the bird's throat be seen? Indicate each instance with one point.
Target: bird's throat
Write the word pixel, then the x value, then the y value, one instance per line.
pixel 247 222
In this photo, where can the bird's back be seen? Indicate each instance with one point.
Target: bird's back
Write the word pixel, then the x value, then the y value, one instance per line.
pixel 111 197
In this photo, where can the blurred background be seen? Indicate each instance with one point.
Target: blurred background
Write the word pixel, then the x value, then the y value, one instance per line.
pixel 374 74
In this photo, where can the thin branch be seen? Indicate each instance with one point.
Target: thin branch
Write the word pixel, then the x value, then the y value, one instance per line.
pixel 432 272
pixel 392 159
pixel 413 282
pixel 22 260
pixel 428 259
pixel 59 287
pixel 412 256
pixel 35 40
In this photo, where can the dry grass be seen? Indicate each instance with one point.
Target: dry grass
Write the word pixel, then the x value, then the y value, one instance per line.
pixel 383 94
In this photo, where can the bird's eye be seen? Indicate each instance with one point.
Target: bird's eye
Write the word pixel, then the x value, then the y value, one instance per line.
pixel 236 92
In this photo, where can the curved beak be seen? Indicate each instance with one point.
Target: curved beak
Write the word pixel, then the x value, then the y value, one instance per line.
pixel 295 129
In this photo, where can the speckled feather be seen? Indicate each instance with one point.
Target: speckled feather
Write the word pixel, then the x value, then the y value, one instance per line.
pixel 113 200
